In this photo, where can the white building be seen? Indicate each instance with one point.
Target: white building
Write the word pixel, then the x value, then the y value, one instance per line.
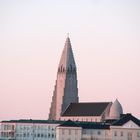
pixel 28 130
pixel 125 128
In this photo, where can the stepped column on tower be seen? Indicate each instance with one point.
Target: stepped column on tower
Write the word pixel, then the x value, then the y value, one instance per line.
pixel 66 90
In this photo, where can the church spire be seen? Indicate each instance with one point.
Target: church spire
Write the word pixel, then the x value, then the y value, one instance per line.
pixel 67 61
pixel 66 90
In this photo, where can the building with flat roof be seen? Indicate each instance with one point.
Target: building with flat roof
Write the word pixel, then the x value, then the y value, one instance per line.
pixel 125 128
pixel 28 129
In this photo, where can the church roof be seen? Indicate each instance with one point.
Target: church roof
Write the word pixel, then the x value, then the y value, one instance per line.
pixel 67 57
pixel 86 109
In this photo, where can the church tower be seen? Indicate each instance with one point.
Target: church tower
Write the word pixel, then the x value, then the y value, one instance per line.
pixel 66 90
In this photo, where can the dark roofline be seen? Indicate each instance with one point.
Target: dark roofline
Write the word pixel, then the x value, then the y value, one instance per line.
pixel 69 123
pixel 125 118
pixel 85 125
pixel 33 121
pixel 93 102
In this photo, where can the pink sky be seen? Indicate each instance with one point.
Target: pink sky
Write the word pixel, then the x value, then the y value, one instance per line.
pixel 105 37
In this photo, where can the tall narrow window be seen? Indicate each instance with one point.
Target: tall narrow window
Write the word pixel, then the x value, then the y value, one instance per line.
pixel 129 135
pixel 63 131
pixel 121 133
pixel 138 134
pixel 99 132
pixel 69 132
pixel 115 133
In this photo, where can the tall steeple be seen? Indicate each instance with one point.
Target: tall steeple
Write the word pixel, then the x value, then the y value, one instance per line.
pixel 66 90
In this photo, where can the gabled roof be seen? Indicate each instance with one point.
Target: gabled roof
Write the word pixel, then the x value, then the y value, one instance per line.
pixel 86 109
pixel 125 118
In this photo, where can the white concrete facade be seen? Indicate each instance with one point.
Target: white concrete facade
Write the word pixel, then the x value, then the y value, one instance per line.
pixel 114 133
pixel 69 133
pixel 127 128
pixel 28 131
pixel 130 130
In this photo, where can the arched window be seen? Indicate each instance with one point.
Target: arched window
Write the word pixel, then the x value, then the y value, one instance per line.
pixel 61 68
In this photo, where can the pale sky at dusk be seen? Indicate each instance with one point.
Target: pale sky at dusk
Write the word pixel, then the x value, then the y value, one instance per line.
pixel 105 37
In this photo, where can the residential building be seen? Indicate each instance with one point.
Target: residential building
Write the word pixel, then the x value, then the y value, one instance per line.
pixel 126 128
pixel 28 130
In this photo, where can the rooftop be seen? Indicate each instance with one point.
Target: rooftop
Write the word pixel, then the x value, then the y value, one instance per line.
pixel 86 109
pixel 125 118
pixel 33 121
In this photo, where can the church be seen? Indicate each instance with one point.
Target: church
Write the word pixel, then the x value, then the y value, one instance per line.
pixel 70 119
pixel 65 103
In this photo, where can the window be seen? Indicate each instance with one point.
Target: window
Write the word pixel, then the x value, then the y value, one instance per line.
pixel 138 134
pixel 35 135
pixel 129 136
pixel 121 133
pixel 12 127
pixel 49 135
pixel 5 127
pixel 17 134
pixel 69 132
pixel 52 135
pixel 63 131
pixel 42 135
pixel 76 132
pixel 38 135
pixel 115 133
pixel 99 132
pixel 24 134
